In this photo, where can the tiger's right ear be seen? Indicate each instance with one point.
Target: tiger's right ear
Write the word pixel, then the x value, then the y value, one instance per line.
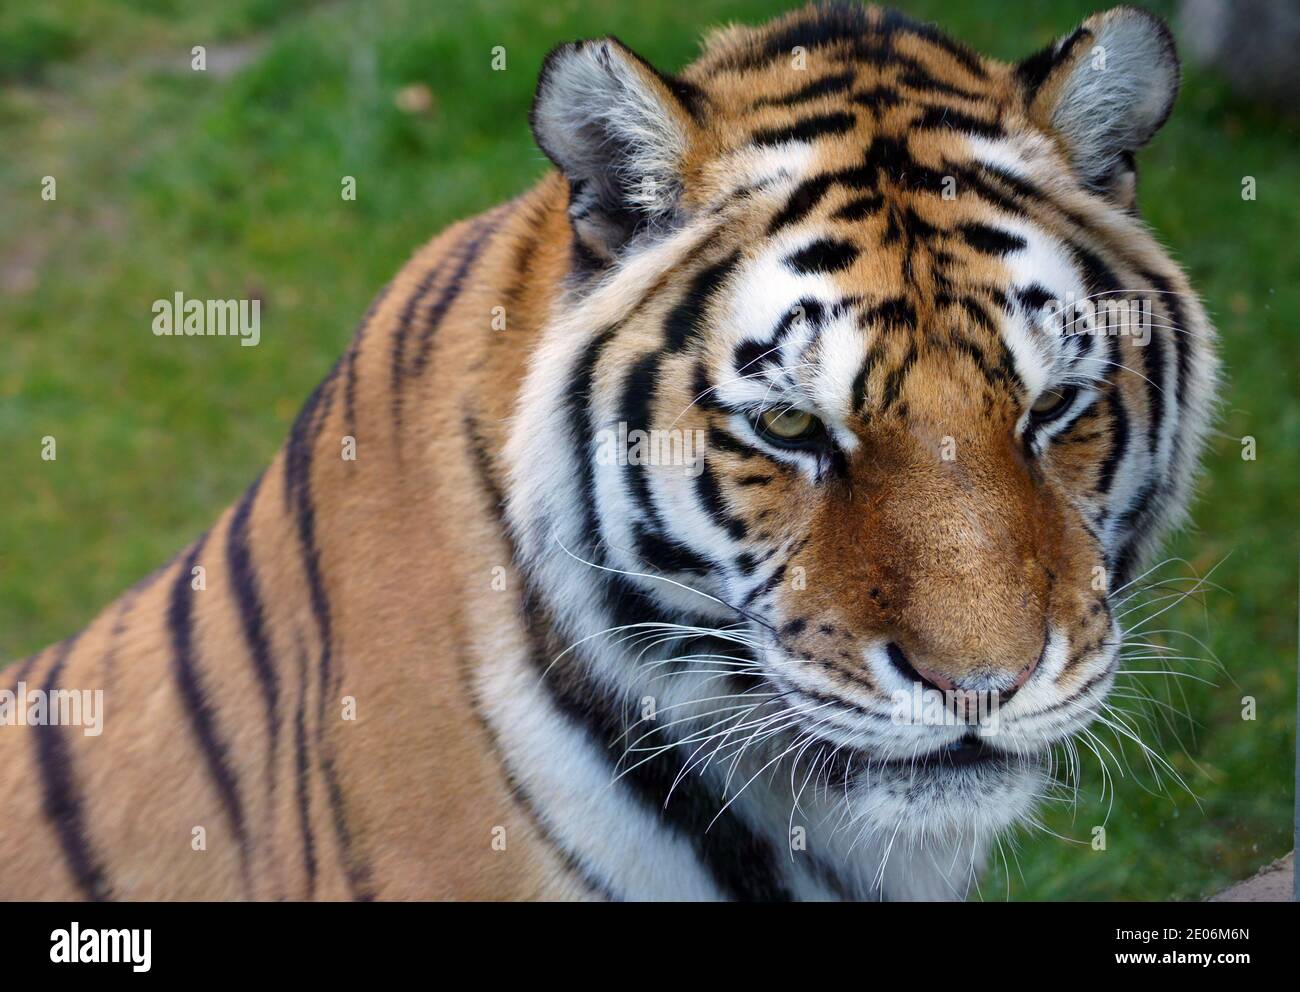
pixel 1104 91
pixel 619 131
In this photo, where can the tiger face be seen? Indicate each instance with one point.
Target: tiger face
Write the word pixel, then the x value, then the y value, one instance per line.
pixel 868 397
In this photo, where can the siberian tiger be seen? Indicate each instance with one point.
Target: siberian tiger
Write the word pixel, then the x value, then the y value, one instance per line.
pixel 675 479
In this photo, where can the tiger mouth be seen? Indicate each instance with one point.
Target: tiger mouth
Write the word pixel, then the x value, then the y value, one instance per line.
pixel 966 752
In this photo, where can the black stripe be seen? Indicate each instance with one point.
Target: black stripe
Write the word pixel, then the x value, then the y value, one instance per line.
pixel 1119 441
pixel 252 618
pixel 1034 298
pixel 826 86
pixel 584 433
pixel 990 240
pixel 297 484
pixel 894 380
pixel 723 440
pixel 823 255
pixel 860 207
pixel 478 449
pixel 1154 366
pixel 653 545
pixel 764 587
pixel 1133 522
pixel 945 118
pixel 688 318
pixel 397 363
pixel 807 129
pixel 1033 71
pixel 892 22
pixel 1098 276
pixel 198 707
pixel 683 325
pixel 517 792
pixel 301 771
pixel 703 393
pixel 888 158
pixel 743 864
pixel 108 664
pixel 1004 369
pixel 891 314
pixel 859 390
pixel 752 357
pixel 906 225
pixel 480 233
pixel 979 182
pixel 60 802
pixel 1178 334
pixel 876 99
pixel 802 201
pixel 666 555
pixel 638 399
pixel 929 84
pixel 715 505
pixel 816 27
pixel 354 352
pixel 525 252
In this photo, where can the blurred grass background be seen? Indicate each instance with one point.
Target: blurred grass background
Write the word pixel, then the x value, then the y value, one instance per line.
pixel 226 183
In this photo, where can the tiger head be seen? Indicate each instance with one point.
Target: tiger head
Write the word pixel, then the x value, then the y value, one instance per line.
pixel 868 387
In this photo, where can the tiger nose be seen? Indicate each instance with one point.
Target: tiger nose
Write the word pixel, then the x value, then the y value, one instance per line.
pixel 936 679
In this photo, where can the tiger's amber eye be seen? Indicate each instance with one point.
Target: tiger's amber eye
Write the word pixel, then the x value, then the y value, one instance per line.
pixel 789 424
pixel 1050 402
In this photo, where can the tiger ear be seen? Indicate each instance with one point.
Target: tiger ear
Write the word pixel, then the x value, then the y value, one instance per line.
pixel 619 131
pixel 1105 90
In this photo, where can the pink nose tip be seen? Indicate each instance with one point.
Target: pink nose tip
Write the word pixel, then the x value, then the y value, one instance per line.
pixel 915 672
pixel 935 678
pixel 1023 677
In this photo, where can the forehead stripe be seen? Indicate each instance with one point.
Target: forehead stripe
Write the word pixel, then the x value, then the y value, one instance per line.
pixel 990 240
pixel 937 118
pixel 823 256
pixel 860 208
pixel 807 129
pixel 826 86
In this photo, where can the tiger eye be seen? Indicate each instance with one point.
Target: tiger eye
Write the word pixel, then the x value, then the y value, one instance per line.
pixel 788 424
pixel 1050 401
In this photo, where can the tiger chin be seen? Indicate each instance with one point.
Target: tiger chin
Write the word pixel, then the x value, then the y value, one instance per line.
pixel 769 409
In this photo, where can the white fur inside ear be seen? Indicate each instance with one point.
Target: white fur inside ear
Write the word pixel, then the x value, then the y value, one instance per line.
pixel 1119 92
pixel 603 120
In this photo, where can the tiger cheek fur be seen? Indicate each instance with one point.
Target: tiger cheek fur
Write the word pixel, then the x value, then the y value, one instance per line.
pixel 626 589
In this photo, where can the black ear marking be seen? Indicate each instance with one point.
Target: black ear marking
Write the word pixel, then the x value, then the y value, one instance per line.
pixel 619 131
pixel 1104 90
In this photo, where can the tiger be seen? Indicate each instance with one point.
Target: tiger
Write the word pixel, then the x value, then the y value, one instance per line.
pixel 674 483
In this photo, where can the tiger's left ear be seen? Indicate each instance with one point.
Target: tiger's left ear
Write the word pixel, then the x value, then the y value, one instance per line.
pixel 1105 90
pixel 619 131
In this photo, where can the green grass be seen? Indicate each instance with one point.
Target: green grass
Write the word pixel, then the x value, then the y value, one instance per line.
pixel 227 184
